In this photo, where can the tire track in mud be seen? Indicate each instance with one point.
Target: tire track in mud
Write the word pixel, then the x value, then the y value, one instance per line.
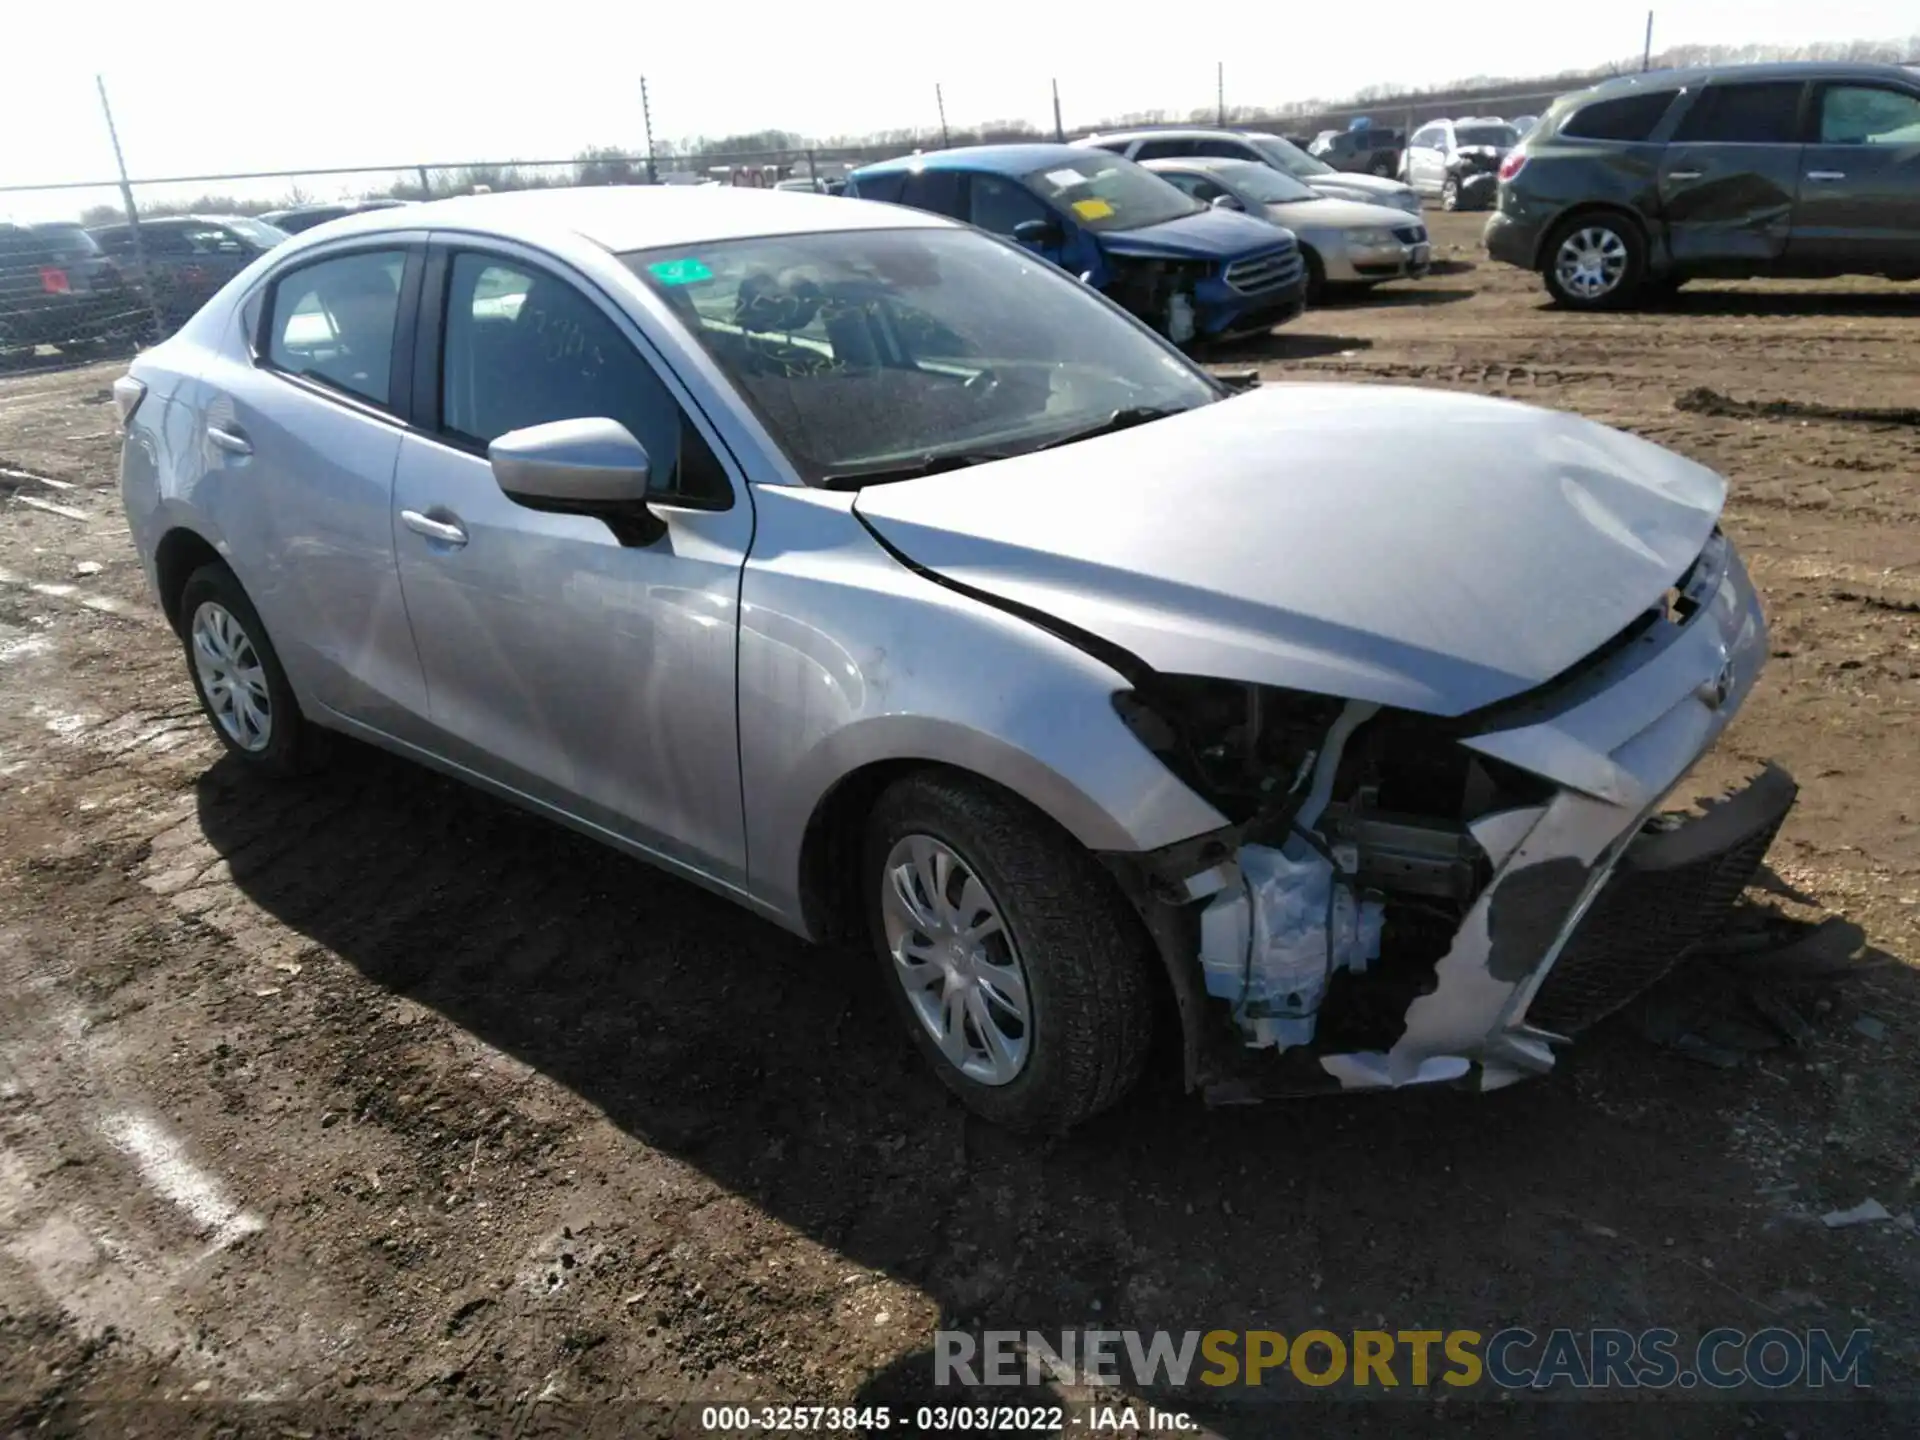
pixel 1703 400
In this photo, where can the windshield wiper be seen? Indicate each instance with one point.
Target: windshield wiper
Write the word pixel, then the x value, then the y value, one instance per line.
pixel 932 464
pixel 1124 419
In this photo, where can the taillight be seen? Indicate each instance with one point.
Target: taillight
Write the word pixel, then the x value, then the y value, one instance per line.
pixel 54 280
pixel 1515 162
pixel 127 395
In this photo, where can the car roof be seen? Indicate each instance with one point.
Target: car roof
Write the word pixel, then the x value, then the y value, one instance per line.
pixel 1178 132
pixel 1769 70
pixel 1199 162
pixel 635 217
pixel 149 222
pixel 995 159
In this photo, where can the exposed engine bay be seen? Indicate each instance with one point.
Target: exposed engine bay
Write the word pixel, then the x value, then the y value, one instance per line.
pixel 1384 888
pixel 1160 292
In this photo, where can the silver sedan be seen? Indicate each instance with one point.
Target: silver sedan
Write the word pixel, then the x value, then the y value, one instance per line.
pixel 1344 242
pixel 879 576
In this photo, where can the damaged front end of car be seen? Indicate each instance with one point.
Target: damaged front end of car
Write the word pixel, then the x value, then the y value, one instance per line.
pixel 1404 898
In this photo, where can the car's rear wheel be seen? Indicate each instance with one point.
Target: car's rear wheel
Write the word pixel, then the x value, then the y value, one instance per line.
pixel 239 679
pixel 1022 974
pixel 1595 262
pixel 1450 194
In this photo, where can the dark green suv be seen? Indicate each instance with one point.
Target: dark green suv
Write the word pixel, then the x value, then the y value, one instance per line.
pixel 1647 181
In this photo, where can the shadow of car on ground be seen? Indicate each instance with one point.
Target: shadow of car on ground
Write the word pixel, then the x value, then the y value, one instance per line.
pixel 780 1071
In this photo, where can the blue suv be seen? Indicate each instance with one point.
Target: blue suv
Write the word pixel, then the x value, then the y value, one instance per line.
pixel 1190 271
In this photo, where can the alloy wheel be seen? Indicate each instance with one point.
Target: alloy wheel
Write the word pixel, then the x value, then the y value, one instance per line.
pixel 954 957
pixel 1591 262
pixel 232 677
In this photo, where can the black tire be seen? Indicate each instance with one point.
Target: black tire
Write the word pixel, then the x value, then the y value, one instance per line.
pixel 1086 957
pixel 1316 289
pixel 291 745
pixel 1632 276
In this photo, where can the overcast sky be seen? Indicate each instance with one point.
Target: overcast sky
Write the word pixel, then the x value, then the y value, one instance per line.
pixel 218 86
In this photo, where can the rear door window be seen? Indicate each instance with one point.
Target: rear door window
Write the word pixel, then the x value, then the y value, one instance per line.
pixel 333 322
pixel 1763 113
pixel 1166 149
pixel 1630 118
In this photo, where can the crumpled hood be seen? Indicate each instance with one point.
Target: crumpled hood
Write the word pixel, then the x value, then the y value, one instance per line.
pixel 1418 548
pixel 1204 235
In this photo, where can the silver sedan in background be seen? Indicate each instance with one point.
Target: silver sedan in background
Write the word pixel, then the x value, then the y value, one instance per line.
pixel 1344 242
pixel 880 576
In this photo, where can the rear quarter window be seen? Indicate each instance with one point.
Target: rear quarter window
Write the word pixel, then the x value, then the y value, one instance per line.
pixel 1628 119
pixel 877 187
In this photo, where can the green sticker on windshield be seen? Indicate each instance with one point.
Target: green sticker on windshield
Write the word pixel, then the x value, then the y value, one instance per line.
pixel 685 271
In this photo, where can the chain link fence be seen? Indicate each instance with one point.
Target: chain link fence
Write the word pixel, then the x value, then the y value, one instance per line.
pixel 80 279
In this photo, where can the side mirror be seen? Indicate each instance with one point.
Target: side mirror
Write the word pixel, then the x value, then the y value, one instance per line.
pixel 1038 232
pixel 1227 202
pixel 579 467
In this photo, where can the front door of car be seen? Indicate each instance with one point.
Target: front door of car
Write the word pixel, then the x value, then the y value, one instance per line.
pixel 1730 174
pixel 1859 203
pixel 295 463
pixel 588 670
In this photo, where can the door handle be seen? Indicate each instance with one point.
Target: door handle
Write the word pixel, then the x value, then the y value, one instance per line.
pixel 1685 174
pixel 231 441
pixel 445 531
pixel 1826 174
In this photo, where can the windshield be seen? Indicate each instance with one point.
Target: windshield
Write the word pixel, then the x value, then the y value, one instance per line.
pixel 869 350
pixel 1105 192
pixel 259 232
pixel 1261 184
pixel 1500 137
pixel 1290 159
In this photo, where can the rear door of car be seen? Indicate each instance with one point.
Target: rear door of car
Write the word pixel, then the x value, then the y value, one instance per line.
pixel 1730 175
pixel 1859 202
pixel 301 414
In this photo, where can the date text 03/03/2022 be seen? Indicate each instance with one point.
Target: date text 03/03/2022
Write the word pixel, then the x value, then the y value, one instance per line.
pixel 936 1419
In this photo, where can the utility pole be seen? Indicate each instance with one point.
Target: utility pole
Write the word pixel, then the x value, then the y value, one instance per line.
pixel 646 118
pixel 1646 55
pixel 940 101
pixel 1220 92
pixel 1059 131
pixel 133 215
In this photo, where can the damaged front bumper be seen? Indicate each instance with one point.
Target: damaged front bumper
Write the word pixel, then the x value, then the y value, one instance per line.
pixel 1591 894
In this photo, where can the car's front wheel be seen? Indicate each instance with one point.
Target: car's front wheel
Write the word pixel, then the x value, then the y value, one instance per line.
pixel 1022 974
pixel 1316 282
pixel 238 677
pixel 1595 262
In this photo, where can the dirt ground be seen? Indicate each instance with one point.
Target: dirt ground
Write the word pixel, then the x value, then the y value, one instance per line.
pixel 379 1106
